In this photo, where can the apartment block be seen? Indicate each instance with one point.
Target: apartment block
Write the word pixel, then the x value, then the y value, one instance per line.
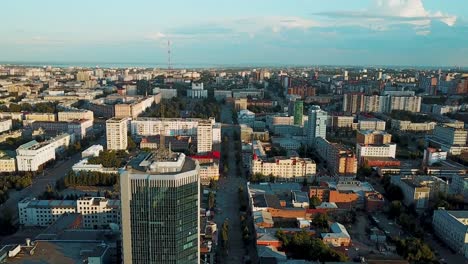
pixel 410 126
pixel 341 161
pixel 373 137
pixel 452 228
pixel 386 150
pixel 80 128
pixel 5 125
pixel 288 169
pixel 342 122
pixel 78 114
pixel 30 156
pixel 116 133
pixel 46 117
pixel 7 163
pixel 414 193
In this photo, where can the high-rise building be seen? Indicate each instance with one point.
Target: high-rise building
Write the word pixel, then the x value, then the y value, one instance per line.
pixel 160 209
pixel 116 133
pixel 353 102
pixel 298 112
pixel 317 124
pixel 204 136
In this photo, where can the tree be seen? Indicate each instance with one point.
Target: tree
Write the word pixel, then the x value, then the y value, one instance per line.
pixel 131 144
pixel 395 209
pixel 211 200
pixel 320 220
pixel 415 250
pixel 314 201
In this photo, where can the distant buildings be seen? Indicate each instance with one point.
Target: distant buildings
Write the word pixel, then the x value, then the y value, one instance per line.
pixel 160 203
pixel 358 102
pixel 197 91
pixel 116 133
pixel 317 124
pixel 452 228
pixel 353 102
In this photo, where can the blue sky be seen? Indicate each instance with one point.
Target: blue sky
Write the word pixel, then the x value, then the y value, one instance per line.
pixel 308 32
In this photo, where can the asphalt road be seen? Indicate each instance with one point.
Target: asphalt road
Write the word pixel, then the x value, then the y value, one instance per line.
pixel 227 200
pixel 49 177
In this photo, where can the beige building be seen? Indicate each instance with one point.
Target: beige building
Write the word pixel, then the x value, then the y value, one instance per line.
pixel 135 107
pixel 75 115
pixel 410 126
pixel 340 160
pixel 7 163
pixel 5 125
pixel 342 122
pixel 405 103
pixel 240 104
pixel 41 117
pixel 293 168
pixel 204 136
pixel 373 137
pixel 208 171
pixel 116 133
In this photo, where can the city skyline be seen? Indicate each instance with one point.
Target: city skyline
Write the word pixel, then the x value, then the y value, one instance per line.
pixel 397 32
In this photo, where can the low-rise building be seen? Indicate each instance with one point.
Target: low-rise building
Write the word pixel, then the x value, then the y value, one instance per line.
pixel 7 162
pixel 75 114
pixel 414 193
pixel 5 125
pixel 92 151
pixel 208 172
pixel 46 117
pixel 433 155
pixel 386 150
pixel 83 165
pixel 410 126
pixel 452 228
pixel 78 127
pixel 338 237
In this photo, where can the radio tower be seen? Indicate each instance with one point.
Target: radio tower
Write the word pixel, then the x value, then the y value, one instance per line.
pixel 169 66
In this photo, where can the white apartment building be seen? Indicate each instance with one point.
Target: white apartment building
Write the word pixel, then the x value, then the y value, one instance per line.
pixel 386 150
pixel 77 114
pixel 216 133
pixel 405 103
pixel 92 151
pixel 165 93
pixel 30 156
pixel 317 124
pixel 204 136
pixel 5 125
pixel 97 212
pixel 116 133
pixel 410 126
pixel 288 169
pixel 83 165
pixel 452 228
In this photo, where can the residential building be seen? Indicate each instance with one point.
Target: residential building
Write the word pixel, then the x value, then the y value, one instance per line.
pixel 410 126
pixel 353 102
pixel 452 228
pixel 165 93
pixel 32 155
pixel 134 106
pixel 148 126
pixel 5 125
pixel 289 169
pixel 373 137
pixel 50 117
pixel 75 114
pixel 338 237
pixel 302 91
pixel 80 128
pixel 204 136
pixel 447 138
pixel 414 193
pixel 317 124
pixel 92 151
pixel 370 124
pixel 96 212
pixel 7 162
pixel 341 161
pixel 385 150
pixel 160 204
pixel 405 103
pixel 197 91
pixel 116 133
pixel 208 172
pixel 342 122
pixel 240 104
pixel 433 155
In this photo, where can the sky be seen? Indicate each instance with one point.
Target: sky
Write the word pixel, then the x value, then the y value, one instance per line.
pixel 237 32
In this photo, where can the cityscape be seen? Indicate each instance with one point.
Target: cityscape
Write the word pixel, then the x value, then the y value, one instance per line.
pixel 256 148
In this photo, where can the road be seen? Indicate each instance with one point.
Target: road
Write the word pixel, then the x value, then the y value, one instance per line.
pixel 227 197
pixel 49 177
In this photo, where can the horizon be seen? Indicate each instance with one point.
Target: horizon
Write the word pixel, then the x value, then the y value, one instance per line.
pixel 411 33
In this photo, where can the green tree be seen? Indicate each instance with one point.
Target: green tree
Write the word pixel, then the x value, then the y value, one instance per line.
pixel 131 144
pixel 415 250
pixel 320 220
pixel 211 200
pixel 314 201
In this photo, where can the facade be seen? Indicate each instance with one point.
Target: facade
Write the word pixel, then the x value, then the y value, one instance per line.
pixel 78 127
pixel 5 125
pixel 342 122
pixel 373 137
pixel 433 155
pixel 353 102
pixel 317 124
pixel 341 161
pixel 204 136
pixel 371 124
pixel 160 209
pixel 50 117
pixel 452 228
pixel 197 91
pixel 96 212
pixel 77 114
pixel 146 126
pixel 386 150
pixel 7 163
pixel 208 171
pixel 288 169
pixel 410 126
pixel 240 104
pixel 450 135
pixel 298 112
pixel 413 192
pixel 405 103
pixel 30 156
pixel 116 133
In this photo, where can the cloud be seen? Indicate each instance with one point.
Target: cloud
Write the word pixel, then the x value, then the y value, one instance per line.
pixel 382 14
